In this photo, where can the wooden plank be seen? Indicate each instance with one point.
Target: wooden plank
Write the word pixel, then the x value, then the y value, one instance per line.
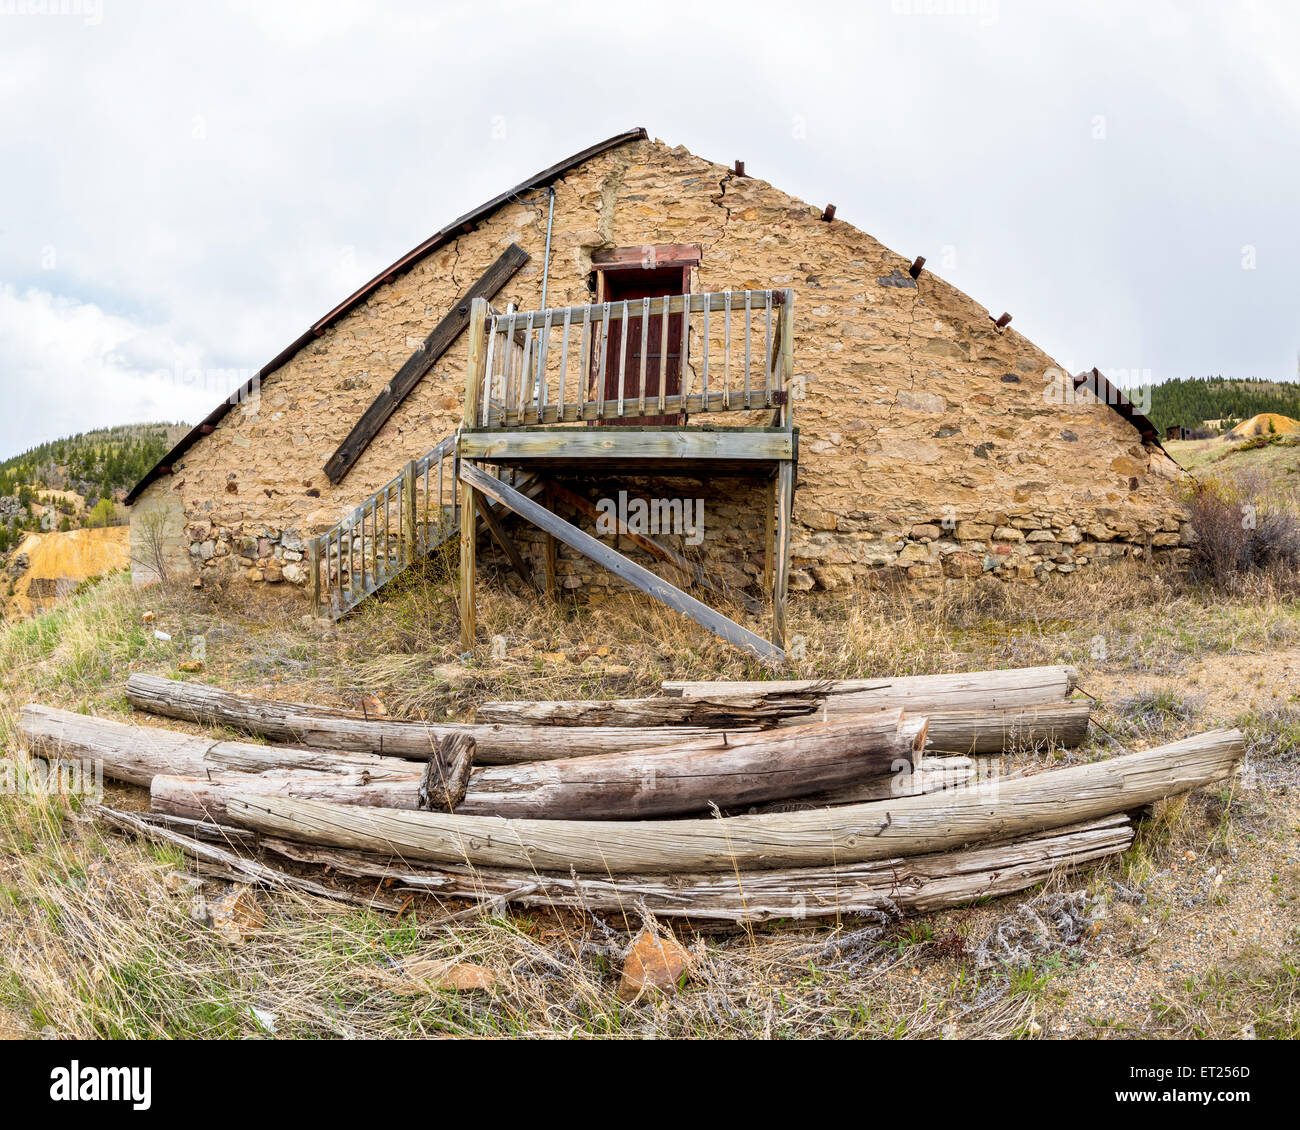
pixel 248 870
pixel 468 566
pixel 626 443
pixel 620 566
pixel 1052 725
pixel 724 710
pixel 550 577
pixel 781 576
pixel 693 573
pixel 442 337
pixel 965 690
pixel 919 884
pixel 634 258
pixel 411 543
pixel 850 834
pixel 769 535
pixel 724 770
pixel 325 728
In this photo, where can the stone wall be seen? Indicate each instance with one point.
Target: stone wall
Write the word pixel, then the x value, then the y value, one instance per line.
pixel 933 445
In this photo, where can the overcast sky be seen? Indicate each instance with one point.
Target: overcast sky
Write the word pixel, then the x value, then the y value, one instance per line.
pixel 187 187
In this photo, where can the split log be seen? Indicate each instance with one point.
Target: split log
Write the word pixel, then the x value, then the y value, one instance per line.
pixel 245 870
pixel 849 834
pixel 136 754
pixel 1062 724
pixel 499 740
pixel 715 710
pixel 915 884
pixel 446 777
pixel 725 770
pixel 920 694
pixel 1056 724
pixel 337 729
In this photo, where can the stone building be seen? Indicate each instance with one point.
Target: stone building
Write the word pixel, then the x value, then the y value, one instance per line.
pixel 935 443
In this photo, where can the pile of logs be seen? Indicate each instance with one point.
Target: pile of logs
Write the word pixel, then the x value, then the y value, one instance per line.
pixel 732 801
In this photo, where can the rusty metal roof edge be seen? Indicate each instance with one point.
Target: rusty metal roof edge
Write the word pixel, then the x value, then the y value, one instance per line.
pixel 440 238
pixel 1115 399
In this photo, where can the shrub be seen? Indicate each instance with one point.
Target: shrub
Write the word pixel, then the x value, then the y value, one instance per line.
pixel 1240 530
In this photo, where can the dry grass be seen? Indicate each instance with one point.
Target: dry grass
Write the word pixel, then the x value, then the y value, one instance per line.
pixel 98 938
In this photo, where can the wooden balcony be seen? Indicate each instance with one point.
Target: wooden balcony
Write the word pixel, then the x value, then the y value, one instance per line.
pixel 688 384
pixel 643 384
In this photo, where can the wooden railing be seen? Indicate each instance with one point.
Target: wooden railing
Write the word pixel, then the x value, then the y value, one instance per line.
pixel 404 521
pixel 401 522
pixel 724 351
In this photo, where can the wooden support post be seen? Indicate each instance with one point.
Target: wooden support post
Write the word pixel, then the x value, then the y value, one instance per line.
pixel 785 474
pixel 549 552
pixel 781 577
pixel 468 524
pixel 313 556
pixel 411 546
pixel 769 537
pixel 474 369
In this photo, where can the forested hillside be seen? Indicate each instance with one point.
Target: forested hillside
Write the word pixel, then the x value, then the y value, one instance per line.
pixel 79 480
pixel 1191 401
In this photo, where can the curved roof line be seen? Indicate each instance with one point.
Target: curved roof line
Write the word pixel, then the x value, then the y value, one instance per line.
pixel 440 238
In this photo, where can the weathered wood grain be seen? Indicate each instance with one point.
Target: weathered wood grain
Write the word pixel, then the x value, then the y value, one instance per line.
pixel 852 833
pixel 974 690
pixel 914 884
pixel 322 727
pixel 720 710
pixel 446 776
pixel 443 335
pixel 727 771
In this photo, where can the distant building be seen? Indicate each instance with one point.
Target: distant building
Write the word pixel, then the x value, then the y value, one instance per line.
pixel 1177 431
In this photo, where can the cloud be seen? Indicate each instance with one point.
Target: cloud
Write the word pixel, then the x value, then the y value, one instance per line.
pixel 71 362
pixel 215 177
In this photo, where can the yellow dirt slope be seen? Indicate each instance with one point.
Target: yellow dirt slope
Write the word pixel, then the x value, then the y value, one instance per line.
pixel 57 563
pixel 1260 425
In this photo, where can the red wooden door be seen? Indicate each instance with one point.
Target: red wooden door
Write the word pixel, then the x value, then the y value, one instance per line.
pixel 643 372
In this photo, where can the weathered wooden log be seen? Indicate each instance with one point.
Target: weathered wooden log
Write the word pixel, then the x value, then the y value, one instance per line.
pixel 920 694
pixel 1056 724
pixel 726 770
pixel 848 834
pixel 446 776
pixel 202 800
pixel 336 729
pixel 249 870
pixel 913 884
pixel 136 754
pixel 663 710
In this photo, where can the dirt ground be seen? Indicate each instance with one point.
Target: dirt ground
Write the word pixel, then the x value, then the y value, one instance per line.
pixel 1193 931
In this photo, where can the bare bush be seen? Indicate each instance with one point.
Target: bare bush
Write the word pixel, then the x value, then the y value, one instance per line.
pixel 1241 530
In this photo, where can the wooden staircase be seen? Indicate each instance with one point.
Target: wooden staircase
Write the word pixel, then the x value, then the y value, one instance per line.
pixel 404 521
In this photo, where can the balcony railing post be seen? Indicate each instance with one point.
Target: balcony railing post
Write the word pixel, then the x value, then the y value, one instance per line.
pixel 411 545
pixel 785 364
pixel 474 366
